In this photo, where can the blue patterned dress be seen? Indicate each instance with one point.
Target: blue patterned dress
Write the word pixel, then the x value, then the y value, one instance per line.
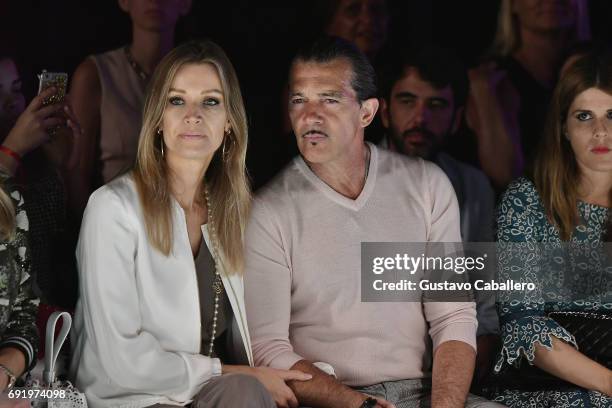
pixel 523 320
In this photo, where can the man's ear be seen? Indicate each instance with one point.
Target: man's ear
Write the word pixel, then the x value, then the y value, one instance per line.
pixel 124 5
pixel 457 119
pixel 368 111
pixel 186 7
pixel 384 113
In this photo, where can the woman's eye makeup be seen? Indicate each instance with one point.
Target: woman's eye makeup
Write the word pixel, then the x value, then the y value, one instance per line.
pixel 582 116
pixel 209 101
pixel 585 115
pixel 176 100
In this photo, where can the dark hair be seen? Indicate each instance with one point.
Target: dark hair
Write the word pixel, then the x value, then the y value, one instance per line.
pixel 580 49
pixel 556 172
pixel 8 55
pixel 328 48
pixel 438 66
pixel 7 51
pixel 583 48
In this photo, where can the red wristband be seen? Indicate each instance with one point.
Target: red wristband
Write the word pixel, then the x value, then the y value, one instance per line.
pixel 11 153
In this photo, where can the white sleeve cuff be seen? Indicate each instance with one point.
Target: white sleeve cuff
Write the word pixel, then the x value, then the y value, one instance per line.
pixel 217 369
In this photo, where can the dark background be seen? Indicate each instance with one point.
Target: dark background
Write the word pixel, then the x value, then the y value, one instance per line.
pixel 258 36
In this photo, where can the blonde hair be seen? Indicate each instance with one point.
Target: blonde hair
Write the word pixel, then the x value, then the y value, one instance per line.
pixel 7 216
pixel 507 37
pixel 556 172
pixel 226 178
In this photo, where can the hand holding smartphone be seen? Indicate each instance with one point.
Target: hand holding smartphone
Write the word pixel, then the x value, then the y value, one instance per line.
pixel 60 148
pixel 49 114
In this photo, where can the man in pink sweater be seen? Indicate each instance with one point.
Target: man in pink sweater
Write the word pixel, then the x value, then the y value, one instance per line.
pixel 302 277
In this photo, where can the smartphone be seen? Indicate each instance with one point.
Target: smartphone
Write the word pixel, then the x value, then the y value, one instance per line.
pixel 57 79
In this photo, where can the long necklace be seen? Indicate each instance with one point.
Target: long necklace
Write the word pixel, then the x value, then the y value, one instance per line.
pixel 135 66
pixel 217 285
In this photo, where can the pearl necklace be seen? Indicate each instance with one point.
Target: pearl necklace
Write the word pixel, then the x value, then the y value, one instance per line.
pixel 217 285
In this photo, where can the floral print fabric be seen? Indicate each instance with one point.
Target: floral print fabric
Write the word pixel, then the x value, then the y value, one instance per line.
pixel 522 223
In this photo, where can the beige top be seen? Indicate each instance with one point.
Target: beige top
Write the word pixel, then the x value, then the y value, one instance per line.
pixel 303 263
pixel 120 114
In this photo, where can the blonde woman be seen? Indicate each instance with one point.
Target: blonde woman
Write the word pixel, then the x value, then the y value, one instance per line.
pixel 161 317
pixel 510 93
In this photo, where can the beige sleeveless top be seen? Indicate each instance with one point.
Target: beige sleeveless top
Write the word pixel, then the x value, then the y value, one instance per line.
pixel 120 114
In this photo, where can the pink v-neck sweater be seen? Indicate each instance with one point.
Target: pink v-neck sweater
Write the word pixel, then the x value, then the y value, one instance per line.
pixel 302 277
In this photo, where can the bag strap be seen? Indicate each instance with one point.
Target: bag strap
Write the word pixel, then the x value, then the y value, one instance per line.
pixel 52 350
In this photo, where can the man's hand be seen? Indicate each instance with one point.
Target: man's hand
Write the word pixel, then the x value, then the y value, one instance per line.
pixel 382 403
pixel 324 391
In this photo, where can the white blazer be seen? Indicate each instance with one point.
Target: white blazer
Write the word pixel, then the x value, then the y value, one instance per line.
pixel 136 337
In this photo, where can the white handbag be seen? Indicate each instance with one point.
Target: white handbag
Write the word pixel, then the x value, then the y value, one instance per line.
pixel 57 394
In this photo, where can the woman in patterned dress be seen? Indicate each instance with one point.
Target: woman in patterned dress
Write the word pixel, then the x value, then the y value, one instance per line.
pixel 566 202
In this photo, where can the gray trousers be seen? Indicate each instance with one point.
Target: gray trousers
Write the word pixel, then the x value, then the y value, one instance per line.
pixel 416 394
pixel 231 390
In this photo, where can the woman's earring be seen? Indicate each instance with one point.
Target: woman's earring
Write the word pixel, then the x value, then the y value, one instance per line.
pixel 224 151
pixel 161 141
